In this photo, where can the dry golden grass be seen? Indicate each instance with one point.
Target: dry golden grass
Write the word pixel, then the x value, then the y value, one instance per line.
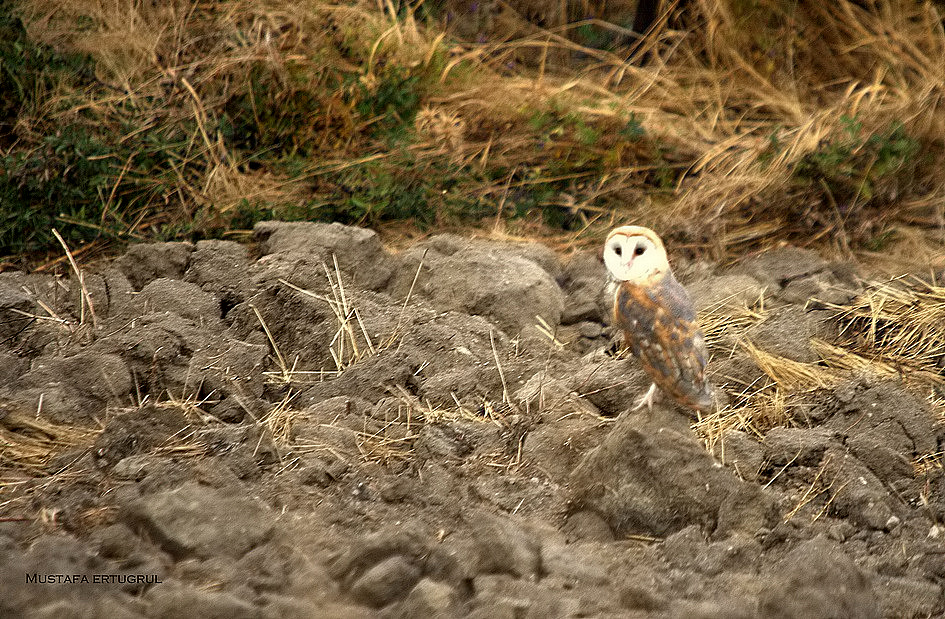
pixel 790 375
pixel 818 486
pixel 350 344
pixel 729 107
pixel 900 323
pixel 381 443
pixel 754 407
pixel 894 328
pixel 280 419
pixel 719 100
pixel 724 324
pixel 28 442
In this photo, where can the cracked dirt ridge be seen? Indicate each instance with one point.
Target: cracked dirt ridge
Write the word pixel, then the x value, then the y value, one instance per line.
pixel 316 427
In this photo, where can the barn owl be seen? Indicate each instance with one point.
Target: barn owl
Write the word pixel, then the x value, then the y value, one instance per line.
pixel 657 318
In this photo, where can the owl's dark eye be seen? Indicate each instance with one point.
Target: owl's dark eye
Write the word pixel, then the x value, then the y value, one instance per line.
pixel 639 250
pixel 618 250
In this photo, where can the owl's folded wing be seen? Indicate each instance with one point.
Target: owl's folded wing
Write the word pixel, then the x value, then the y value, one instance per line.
pixel 670 347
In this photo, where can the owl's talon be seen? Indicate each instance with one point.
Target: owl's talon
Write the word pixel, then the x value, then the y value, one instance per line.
pixel 647 400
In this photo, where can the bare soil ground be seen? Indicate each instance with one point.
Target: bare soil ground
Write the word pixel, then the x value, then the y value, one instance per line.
pixel 316 427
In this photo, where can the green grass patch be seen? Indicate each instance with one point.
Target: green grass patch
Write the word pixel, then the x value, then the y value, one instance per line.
pixel 856 167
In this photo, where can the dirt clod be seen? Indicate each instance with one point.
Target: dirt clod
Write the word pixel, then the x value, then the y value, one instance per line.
pixel 649 479
pixel 198 520
pixel 817 579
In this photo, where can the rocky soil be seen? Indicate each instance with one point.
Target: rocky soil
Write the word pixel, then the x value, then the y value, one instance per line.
pixel 316 427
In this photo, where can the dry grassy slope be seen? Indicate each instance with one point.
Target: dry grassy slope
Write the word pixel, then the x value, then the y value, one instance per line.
pixel 750 123
pixel 323 427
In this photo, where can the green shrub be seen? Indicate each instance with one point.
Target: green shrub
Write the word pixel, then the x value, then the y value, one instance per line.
pixel 29 71
pixel 60 182
pixel 390 104
pixel 858 168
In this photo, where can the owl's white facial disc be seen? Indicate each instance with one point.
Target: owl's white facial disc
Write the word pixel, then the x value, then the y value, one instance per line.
pixel 633 258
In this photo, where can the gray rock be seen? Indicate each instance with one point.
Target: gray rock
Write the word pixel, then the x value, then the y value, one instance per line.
pixel 185 299
pixel 13 297
pixel 579 310
pixel 134 431
pixel 454 440
pixel 385 582
pixel 578 564
pixel 222 269
pixel 180 356
pixel 741 452
pixel 557 445
pixel 540 254
pixel 231 410
pixel 500 596
pixel 175 599
pixel 319 472
pixel 542 390
pixel 56 557
pixel 584 280
pixel 841 531
pixel 371 378
pixel 483 281
pixel 637 597
pixel 11 367
pixel 395 489
pixel 79 387
pixel 887 415
pixel 358 250
pixel 448 244
pixel 860 495
pixel 729 607
pixel 901 597
pixel 552 399
pixel 144 263
pixel 366 552
pixel 112 294
pixel 817 579
pixel 590 329
pixel 775 269
pixel 649 479
pixel 885 449
pixel 230 368
pixel 804 446
pixel 291 607
pixel 688 551
pixel 821 286
pixel 787 332
pixel 117 541
pixel 133 468
pixel 429 598
pixel 453 562
pixel 587 526
pixel 504 547
pixel 201 521
pixel 72 609
pixel 612 385
pixel 718 291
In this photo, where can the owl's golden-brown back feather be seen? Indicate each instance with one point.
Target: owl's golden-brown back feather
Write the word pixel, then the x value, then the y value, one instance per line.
pixel 659 325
